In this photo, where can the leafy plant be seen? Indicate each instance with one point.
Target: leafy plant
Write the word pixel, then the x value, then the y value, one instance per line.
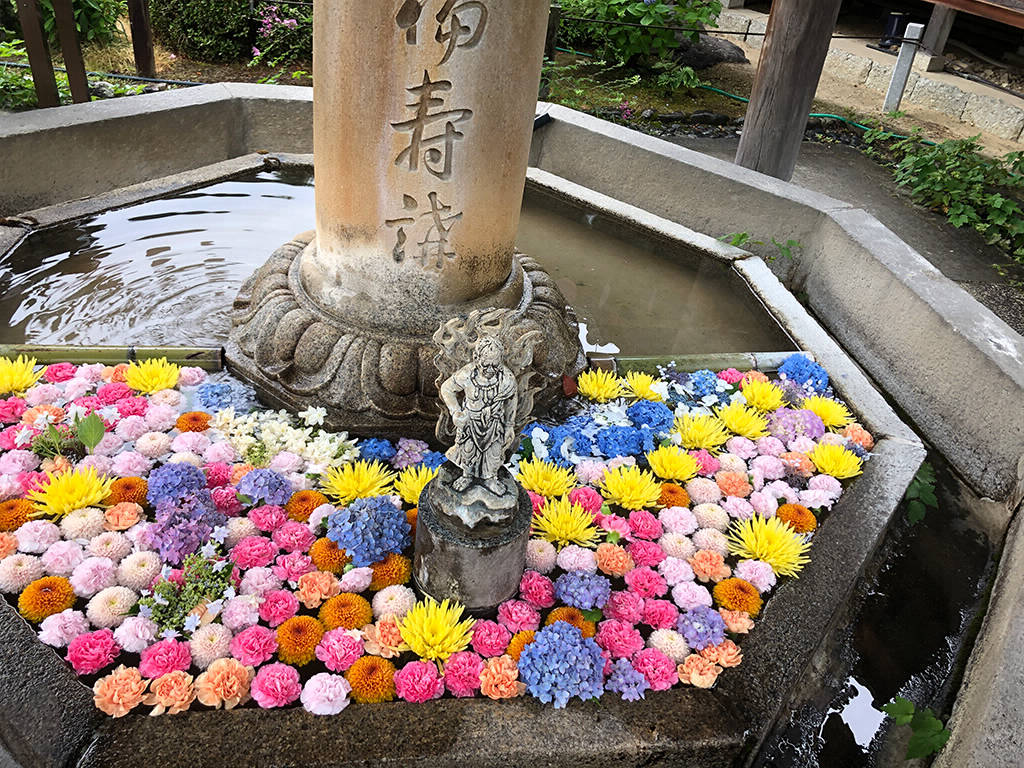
pixel 784 249
pixel 587 85
pixel 928 735
pixel 285 34
pixel 671 77
pixel 920 495
pixel 97 21
pixel 209 30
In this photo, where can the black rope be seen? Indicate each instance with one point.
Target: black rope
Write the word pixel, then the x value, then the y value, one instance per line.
pixel 105 75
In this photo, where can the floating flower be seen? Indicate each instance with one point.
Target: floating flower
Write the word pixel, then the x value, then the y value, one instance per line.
pixel 171 693
pixel 490 638
pixel 165 656
pixel 434 631
pixel 562 522
pixel 372 679
pixel 737 595
pixel 193 421
pixel 673 495
pixel 327 556
pixel 18 375
pixel 297 639
pixel 657 668
pixel 462 674
pixel 736 622
pixel 582 590
pixel 302 503
pixel 630 487
pixel 560 663
pixel 626 681
pixel 832 413
pixel 701 431
pixel 670 462
pixel 254 645
pixel 613 560
pixel 369 529
pixel 120 692
pixel 339 648
pixel 45 597
pixel 412 480
pixel 149 376
pixel 770 540
pixel 698 671
pixel 743 421
pixel 709 566
pixel 545 478
pixel 357 480
pixel 644 386
pixel 763 396
pixel 798 517
pixel 599 385
pixel 836 460
pixel 276 685
pixel 725 654
pixel 14 513
pixel 384 638
pixel 325 694
pixel 68 491
pixel 519 641
pixel 224 684
pixel 573 616
pixel 393 570
pixel 91 652
pixel 347 611
pixel 499 678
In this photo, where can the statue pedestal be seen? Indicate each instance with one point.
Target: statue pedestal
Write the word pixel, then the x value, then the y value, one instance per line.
pixel 479 567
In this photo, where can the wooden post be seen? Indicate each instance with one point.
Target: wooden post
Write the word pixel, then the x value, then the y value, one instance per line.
pixel 74 65
pixel 795 45
pixel 142 37
pixel 38 53
pixel 551 39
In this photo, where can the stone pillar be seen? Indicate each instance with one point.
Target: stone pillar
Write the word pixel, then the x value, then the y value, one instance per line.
pixel 422 126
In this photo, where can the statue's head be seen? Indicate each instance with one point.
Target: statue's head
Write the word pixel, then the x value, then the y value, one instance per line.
pixel 489 352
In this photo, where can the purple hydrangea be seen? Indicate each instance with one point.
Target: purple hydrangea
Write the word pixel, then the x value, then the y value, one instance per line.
pixel 626 681
pixel 408 453
pixel 376 449
pixel 265 486
pixel 369 530
pixel 701 626
pixel 183 526
pixel 583 590
pixel 787 424
pixel 560 663
pixel 170 482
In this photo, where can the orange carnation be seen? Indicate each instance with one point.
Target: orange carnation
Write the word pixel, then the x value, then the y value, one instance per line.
pixel 725 654
pixel 171 693
pixel 857 434
pixel 193 421
pixel 738 595
pixel 372 679
pixel 499 679
pixel 346 610
pixel 122 516
pixel 14 513
pixel 115 373
pixel 297 639
pixel 132 489
pixel 384 638
pixel 317 586
pixel 120 692
pixel 734 484
pixel 55 414
pixel 698 671
pixel 798 463
pixel 798 517
pixel 709 565
pixel 238 471
pixel 225 683
pixel 8 544
pixel 393 569
pixel 673 495
pixel 736 622
pixel 326 556
pixel 302 503
pixel 613 559
pixel 755 375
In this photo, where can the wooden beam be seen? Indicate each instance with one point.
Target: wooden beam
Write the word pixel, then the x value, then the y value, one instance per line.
pixel 792 57
pixel 142 37
pixel 38 53
pixel 989 10
pixel 64 16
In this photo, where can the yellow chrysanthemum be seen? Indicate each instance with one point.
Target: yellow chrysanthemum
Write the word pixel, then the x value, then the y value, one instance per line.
pixel 68 491
pixel 836 460
pixel 630 487
pixel 545 478
pixel 743 421
pixel 641 386
pixel 435 630
pixel 149 376
pixel 412 480
pixel 833 414
pixel 671 463
pixel 18 375
pixel 771 540
pixel 562 523
pixel 357 480
pixel 763 396
pixel 599 385
pixel 701 431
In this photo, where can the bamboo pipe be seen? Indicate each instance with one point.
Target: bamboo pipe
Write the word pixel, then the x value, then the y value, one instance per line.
pixel 207 358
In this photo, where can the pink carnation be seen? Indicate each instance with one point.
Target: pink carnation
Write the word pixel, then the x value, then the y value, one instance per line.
pixel 219 453
pixel 191 376
pixel 286 463
pixel 278 606
pixel 590 471
pixel 133 406
pixel 675 570
pixel 678 520
pixel 646 553
pixel 165 656
pixel 660 614
pixel 537 590
pixel 58 372
pixel 757 572
pixel 254 645
pixel 13 462
pixel 462 674
pixel 770 446
pixel 689 594
pixel 268 517
pixel 587 498
pixel 742 447
pixel 92 651
pixel 624 606
pixel 644 525
pixel 190 442
pixel 276 685
pixel 339 648
pixel 31 481
pixel 253 551
pixel 161 418
pixel 130 464
pixel 490 638
pixel 614 524
pixel 293 536
pixel 816 499
pixel 293 566
pixel 108 445
pixel 357 580
pixel 11 410
pixel 112 392
pixel 226 501
pixel 59 629
pixel 536 501
pixel 62 557
pixel 577 558
pixel 737 508
pixel 417 682
pixel 658 668
pixel 131 428
pixel 516 616
pixel 707 464
pixel 730 376
pixel 826 483
pixel 218 474
pixel 645 582
pixel 619 638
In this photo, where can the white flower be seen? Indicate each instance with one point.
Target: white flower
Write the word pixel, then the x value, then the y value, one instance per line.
pixel 313 416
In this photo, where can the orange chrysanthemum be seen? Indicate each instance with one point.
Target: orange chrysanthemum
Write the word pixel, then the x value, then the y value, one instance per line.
pixel 193 421
pixel 238 471
pixel 738 595
pixel 14 513
pixel 393 569
pixel 45 597
pixel 346 610
pixel 302 503
pixel 798 517
pixel 572 616
pixel 131 489
pixel 519 641
pixel 372 679
pixel 673 495
pixel 326 556
pixel 297 639
pixel 412 515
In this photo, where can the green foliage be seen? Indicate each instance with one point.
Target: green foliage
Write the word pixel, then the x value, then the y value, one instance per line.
pixel 635 44
pixel 587 85
pixel 671 77
pixel 209 30
pixel 784 249
pixel 52 442
pixel 90 430
pixel 203 580
pixel 920 495
pixel 284 35
pixel 96 20
pixel 928 735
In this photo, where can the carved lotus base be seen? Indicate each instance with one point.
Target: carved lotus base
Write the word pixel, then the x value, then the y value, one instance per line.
pixel 371 381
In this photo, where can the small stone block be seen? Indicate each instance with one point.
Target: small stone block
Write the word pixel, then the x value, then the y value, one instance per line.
pixel 994 115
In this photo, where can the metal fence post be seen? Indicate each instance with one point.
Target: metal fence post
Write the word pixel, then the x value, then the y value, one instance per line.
pixel 901 72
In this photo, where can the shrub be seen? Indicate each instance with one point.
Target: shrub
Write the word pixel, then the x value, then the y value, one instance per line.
pixel 209 30
pixel 96 20
pixel 285 34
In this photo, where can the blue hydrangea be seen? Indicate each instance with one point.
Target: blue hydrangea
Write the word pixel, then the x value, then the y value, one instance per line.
pixel 626 681
pixel 804 371
pixel 214 395
pixel 376 449
pixel 704 383
pixel 560 663
pixel 265 486
pixel 647 413
pixel 171 482
pixel 582 590
pixel 369 530
pixel 701 626
pixel 183 525
pixel 571 436
pixel 620 441
pixel 434 459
